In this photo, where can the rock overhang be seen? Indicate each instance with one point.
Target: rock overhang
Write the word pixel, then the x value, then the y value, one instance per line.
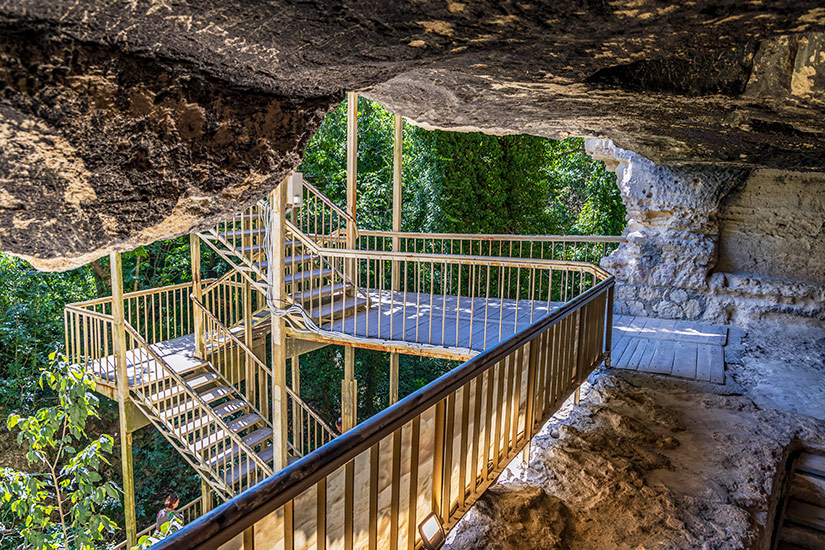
pixel 126 123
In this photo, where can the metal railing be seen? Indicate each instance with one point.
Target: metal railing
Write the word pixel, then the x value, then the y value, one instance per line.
pixel 225 298
pixel 253 379
pixel 582 248
pixel 157 314
pixel 462 302
pixel 436 450
pixel 189 423
pixel 238 364
pixel 321 219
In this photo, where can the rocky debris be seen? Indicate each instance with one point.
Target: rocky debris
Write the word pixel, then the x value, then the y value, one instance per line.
pixel 649 462
pixel 721 244
pixel 126 122
pixel 515 515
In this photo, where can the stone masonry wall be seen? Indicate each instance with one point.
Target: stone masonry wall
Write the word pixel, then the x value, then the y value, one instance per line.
pixel 718 243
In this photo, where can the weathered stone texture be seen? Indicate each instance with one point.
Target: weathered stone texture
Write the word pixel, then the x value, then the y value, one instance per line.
pixel 718 243
pixel 774 225
pixel 651 462
pixel 125 122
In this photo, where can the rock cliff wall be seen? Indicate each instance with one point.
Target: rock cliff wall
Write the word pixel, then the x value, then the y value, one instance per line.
pixel 722 244
pixel 122 123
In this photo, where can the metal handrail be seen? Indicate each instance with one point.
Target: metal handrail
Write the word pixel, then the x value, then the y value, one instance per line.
pixel 250 354
pixel 495 237
pixel 237 341
pixel 465 260
pixel 136 294
pixel 193 395
pixel 326 200
pixel 233 517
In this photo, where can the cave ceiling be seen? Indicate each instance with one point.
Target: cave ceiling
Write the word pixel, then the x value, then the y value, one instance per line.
pixel 126 122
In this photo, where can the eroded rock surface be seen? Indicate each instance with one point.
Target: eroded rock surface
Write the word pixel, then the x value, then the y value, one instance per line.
pixel 722 244
pixel 651 462
pixel 127 122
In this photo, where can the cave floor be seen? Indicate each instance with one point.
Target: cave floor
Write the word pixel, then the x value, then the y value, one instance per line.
pixel 657 462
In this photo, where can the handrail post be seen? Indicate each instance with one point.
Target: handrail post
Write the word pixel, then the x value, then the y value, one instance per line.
pixel 278 338
pixel 529 420
pixel 577 349
pixel 197 292
pixel 608 335
pixel 352 178
pixel 119 344
pixel 349 391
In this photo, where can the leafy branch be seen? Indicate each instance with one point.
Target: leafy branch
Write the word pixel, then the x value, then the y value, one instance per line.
pixel 61 505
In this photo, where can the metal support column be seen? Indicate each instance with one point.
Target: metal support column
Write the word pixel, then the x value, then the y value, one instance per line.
pixel 279 397
pixel 119 344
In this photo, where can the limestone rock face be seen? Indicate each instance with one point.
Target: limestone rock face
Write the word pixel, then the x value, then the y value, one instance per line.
pixel 127 122
pixel 721 244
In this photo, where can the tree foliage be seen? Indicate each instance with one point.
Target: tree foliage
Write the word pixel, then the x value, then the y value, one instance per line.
pixel 61 504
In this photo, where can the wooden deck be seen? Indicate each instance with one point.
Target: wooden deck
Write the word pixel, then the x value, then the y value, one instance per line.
pixel 436 320
pixel 684 349
pixel 178 353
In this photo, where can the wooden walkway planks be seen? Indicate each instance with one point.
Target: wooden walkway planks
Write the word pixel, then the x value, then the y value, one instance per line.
pixel 447 321
pixel 684 349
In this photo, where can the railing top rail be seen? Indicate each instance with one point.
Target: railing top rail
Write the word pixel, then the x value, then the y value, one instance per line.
pixel 301 236
pixel 136 294
pixel 225 279
pixel 495 237
pixel 328 202
pixel 464 259
pixel 89 313
pixel 231 518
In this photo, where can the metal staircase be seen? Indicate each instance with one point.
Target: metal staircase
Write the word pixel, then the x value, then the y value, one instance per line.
pixel 207 419
pixel 325 292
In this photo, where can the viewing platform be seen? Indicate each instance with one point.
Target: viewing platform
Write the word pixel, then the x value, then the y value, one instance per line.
pixel 206 363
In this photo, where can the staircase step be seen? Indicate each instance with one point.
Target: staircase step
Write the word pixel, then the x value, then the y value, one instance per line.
pixel 192 425
pixel 807 515
pixel 258 436
pixel 233 406
pixel 198 380
pixel 178 410
pixel 259 247
pixel 290 260
pixel 209 439
pixel 303 276
pixel 320 292
pixel 226 455
pixel 337 308
pixel 244 233
pixel 216 393
pixel 811 463
pixel 231 476
pixel 243 422
pixel 266 454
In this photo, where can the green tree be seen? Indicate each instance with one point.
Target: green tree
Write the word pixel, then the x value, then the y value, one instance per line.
pixel 61 505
